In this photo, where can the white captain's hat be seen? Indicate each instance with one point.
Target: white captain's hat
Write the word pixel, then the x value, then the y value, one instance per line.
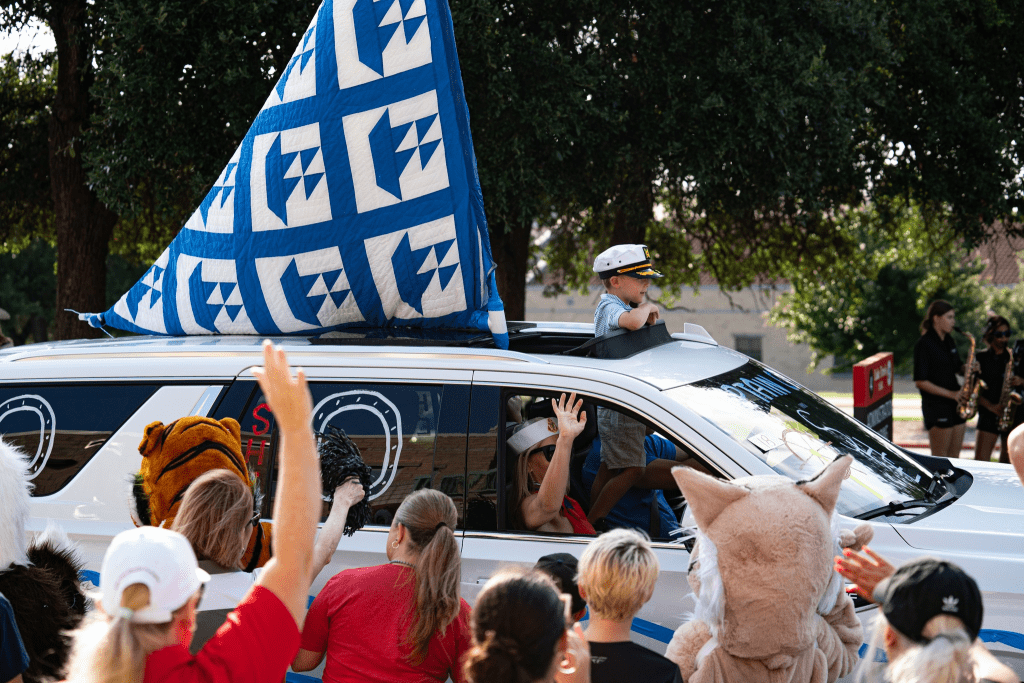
pixel 633 260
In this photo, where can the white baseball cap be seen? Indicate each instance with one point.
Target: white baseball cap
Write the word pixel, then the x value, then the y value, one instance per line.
pixel 160 559
pixel 633 260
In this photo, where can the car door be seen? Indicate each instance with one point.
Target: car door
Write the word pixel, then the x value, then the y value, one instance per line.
pixel 490 544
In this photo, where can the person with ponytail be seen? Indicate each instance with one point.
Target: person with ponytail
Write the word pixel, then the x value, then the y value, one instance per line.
pixel 928 624
pixel 401 621
pixel 522 633
pixel 151 584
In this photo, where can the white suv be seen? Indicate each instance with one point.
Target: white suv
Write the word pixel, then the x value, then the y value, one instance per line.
pixel 432 412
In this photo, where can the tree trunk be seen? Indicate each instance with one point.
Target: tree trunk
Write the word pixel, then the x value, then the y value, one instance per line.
pixel 511 251
pixel 83 223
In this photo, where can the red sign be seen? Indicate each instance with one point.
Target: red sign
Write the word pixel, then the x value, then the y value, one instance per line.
pixel 872 379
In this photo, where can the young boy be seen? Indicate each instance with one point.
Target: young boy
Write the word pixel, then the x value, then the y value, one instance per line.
pixel 626 272
pixel 617 573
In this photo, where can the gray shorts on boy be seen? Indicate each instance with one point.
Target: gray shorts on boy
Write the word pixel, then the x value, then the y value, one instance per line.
pixel 622 440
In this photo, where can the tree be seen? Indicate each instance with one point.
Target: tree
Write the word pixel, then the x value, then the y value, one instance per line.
pixel 28 289
pixel 26 204
pixel 877 299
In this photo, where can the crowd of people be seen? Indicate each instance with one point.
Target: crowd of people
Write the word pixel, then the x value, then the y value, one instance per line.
pixel 405 620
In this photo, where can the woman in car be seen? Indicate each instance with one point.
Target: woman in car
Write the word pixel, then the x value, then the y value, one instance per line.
pixel 540 478
pixel 401 621
pixel 522 633
pixel 936 365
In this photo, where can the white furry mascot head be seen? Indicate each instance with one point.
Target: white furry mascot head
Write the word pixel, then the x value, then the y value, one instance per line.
pixel 15 489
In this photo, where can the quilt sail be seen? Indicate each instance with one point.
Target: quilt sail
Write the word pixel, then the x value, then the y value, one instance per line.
pixel 352 201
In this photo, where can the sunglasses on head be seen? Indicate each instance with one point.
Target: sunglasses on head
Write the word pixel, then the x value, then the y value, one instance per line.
pixel 548 451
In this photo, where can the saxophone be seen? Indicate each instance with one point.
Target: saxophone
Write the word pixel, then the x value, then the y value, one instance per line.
pixel 1008 398
pixel 967 399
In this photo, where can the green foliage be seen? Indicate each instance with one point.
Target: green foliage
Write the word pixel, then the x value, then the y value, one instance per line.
pixel 26 204
pixel 875 299
pixel 178 83
pixel 28 290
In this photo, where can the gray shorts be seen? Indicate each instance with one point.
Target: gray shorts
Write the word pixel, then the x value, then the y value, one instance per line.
pixel 622 440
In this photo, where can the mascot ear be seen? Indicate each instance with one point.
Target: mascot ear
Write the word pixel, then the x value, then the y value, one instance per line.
pixel 232 426
pixel 706 495
pixel 824 488
pixel 154 430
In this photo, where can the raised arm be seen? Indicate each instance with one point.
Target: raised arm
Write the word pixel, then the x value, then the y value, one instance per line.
pixel 643 314
pixel 345 496
pixel 296 506
pixel 543 507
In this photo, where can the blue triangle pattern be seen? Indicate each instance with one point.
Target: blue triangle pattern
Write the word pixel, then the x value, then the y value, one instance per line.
pixel 233 311
pixel 307 157
pixel 406 6
pixel 445 274
pixel 427 151
pixel 423 125
pixel 331 278
pixel 204 206
pixel 225 193
pixel 339 297
pixel 386 33
pixel 134 297
pixel 411 27
pixel 199 292
pixel 305 60
pixel 311 181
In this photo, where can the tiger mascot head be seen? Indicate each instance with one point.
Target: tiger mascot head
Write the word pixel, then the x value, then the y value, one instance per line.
pixel 175 455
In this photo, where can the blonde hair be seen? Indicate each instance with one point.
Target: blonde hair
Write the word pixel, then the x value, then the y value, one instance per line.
pixel 213 512
pixel 112 649
pixel 617 572
pixel 945 657
pixel 430 518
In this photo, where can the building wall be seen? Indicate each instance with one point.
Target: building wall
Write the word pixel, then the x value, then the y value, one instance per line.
pixel 725 318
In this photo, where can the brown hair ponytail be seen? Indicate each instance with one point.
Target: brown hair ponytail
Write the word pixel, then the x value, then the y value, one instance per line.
pixel 430 518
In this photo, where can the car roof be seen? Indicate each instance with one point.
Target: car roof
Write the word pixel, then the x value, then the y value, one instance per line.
pixel 684 358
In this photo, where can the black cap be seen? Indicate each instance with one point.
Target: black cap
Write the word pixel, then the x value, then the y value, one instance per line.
pixel 925 588
pixel 562 568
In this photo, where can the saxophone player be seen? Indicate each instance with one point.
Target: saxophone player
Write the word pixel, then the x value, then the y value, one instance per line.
pixel 991 401
pixel 936 365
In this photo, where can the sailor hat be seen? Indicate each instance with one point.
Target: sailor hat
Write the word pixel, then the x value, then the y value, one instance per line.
pixel 633 260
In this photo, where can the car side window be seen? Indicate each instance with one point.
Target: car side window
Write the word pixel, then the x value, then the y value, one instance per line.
pixel 60 428
pixel 655 511
pixel 412 436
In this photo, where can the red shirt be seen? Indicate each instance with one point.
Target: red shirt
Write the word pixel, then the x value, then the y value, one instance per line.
pixel 361 618
pixel 256 644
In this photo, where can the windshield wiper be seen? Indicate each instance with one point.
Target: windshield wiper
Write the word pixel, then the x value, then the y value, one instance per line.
pixel 896 506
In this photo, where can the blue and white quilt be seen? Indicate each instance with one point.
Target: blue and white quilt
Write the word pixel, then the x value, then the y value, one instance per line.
pixel 353 200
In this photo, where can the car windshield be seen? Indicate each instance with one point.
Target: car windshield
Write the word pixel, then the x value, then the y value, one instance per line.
pixel 797 433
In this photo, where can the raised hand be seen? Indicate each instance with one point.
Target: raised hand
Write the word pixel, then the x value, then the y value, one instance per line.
pixel 570 420
pixel 349 493
pixel 287 396
pixel 865 572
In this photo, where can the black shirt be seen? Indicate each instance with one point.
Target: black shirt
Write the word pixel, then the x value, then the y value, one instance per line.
pixel 937 361
pixel 993 369
pixel 614 662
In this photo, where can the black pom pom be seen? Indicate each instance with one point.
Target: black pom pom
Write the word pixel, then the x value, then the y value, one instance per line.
pixel 340 460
